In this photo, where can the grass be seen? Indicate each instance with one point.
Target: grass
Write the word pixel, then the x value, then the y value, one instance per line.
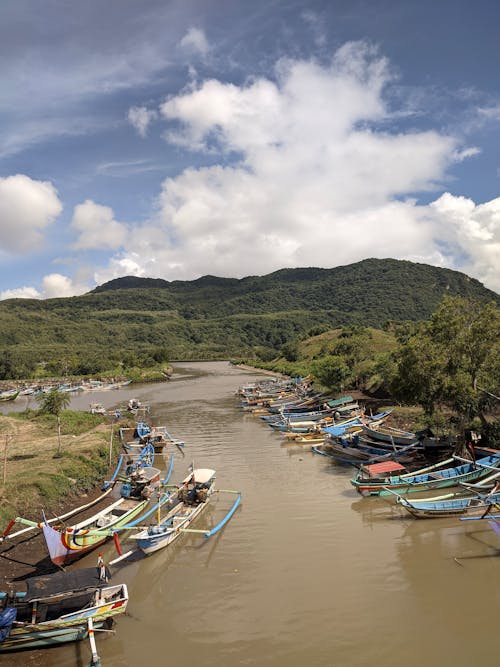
pixel 38 479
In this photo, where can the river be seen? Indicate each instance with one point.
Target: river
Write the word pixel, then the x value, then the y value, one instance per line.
pixel 306 573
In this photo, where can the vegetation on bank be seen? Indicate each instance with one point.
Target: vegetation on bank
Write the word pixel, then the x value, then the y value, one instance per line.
pixel 449 365
pixel 41 474
pixel 139 323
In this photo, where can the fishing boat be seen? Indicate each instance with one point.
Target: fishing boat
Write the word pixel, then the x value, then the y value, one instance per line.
pixel 389 434
pixel 157 436
pixel 471 499
pixel 10 395
pixel 58 608
pixel 377 480
pixel 97 409
pixel 68 543
pixel 356 453
pixel 189 502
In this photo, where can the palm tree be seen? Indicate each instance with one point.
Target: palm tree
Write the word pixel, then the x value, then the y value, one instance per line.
pixel 53 403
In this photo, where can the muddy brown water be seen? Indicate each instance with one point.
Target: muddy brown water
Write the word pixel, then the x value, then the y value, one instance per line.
pixel 306 573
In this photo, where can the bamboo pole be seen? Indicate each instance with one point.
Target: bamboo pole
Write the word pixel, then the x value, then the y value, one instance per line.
pixel 111 445
pixel 7 439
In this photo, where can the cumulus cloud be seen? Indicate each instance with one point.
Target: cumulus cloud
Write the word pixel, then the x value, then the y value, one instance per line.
pixel 97 227
pixel 140 118
pixel 20 293
pixel 27 208
pixel 471 233
pixel 195 41
pixel 57 285
pixel 309 175
pixel 53 285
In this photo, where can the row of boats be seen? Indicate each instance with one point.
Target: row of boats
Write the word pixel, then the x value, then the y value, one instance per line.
pixel 37 389
pixel 389 462
pixel 143 506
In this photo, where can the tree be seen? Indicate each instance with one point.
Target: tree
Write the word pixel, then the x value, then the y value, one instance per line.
pixel 331 372
pixel 452 359
pixel 53 403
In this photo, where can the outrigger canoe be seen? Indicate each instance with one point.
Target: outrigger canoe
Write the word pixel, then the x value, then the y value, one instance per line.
pixel 189 502
pixel 372 480
pixel 58 608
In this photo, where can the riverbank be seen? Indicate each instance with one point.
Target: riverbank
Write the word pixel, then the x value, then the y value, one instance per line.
pixel 45 475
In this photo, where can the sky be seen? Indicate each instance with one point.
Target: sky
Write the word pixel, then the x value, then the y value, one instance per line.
pixel 178 138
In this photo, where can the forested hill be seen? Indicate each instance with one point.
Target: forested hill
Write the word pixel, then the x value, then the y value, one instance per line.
pixel 129 319
pixel 375 289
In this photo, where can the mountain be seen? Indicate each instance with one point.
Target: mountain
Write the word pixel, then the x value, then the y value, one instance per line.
pixel 214 317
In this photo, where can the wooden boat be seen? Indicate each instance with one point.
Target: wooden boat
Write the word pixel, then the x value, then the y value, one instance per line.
pixel 191 499
pixel 58 608
pixel 157 436
pixel 68 543
pixel 97 409
pixel 376 479
pixel 450 504
pixel 9 396
pixel 388 434
pixel 357 453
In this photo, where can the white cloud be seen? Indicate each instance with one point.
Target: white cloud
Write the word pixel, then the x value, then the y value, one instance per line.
pixel 20 293
pixel 195 41
pixel 53 285
pixel 97 227
pixel 307 178
pixel 57 285
pixel 140 118
pixel 27 208
pixel 471 233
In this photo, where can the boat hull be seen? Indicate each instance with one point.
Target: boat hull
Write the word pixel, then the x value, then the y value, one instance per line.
pixel 69 545
pixel 149 543
pixel 424 481
pixel 68 628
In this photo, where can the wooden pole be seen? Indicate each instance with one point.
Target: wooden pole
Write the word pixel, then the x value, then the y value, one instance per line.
pixel 5 458
pixel 111 445
pixel 59 446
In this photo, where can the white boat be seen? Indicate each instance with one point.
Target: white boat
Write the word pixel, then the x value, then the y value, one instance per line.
pixel 189 502
pixel 192 498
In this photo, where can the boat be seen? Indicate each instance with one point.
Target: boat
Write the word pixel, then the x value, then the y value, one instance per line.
pixel 68 543
pixel 356 453
pixel 11 395
pixel 97 409
pixel 135 406
pixel 381 479
pixel 450 504
pixel 157 436
pixel 57 608
pixel 389 434
pixel 188 503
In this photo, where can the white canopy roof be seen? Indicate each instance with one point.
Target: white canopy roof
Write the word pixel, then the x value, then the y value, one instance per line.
pixel 201 475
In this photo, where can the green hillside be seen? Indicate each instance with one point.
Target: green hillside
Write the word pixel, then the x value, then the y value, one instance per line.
pixel 139 320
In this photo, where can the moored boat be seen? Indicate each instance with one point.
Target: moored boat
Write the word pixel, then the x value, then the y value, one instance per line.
pixel 377 479
pixel 189 502
pixel 58 608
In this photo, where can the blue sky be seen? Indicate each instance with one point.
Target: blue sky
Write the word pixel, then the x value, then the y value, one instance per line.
pixel 184 138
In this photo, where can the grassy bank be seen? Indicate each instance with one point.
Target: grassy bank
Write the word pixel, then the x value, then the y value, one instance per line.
pixel 40 474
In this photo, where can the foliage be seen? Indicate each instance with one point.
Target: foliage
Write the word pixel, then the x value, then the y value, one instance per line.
pixel 452 359
pixel 332 372
pixel 141 323
pixel 54 402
